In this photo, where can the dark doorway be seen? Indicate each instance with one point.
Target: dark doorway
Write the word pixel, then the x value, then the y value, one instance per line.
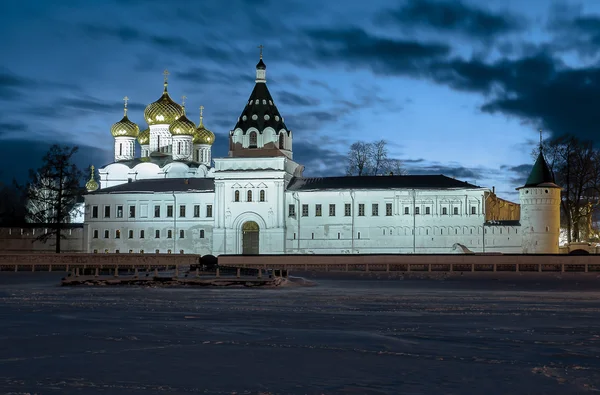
pixel 250 233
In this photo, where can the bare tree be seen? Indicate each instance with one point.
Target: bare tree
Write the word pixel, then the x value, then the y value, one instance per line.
pixel 359 158
pixel 370 159
pixel 575 166
pixel 53 191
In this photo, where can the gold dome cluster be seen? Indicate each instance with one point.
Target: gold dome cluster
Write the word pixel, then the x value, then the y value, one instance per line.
pixel 125 128
pixel 164 110
pixel 203 135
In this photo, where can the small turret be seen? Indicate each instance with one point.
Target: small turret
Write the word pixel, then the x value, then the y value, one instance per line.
pixel 540 209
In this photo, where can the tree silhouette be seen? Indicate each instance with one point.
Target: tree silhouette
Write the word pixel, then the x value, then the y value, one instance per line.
pixel 53 191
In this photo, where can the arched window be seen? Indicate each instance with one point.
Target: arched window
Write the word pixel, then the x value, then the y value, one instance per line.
pixel 179 148
pixel 120 148
pixel 237 196
pixel 281 141
pixel 261 195
pixel 249 196
pixel 253 140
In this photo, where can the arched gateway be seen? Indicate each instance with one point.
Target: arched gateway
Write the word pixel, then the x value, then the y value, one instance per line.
pixel 250 233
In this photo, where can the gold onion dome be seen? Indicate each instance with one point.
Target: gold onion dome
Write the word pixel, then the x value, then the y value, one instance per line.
pixel 125 128
pixel 183 126
pixel 203 135
pixel 91 185
pixel 144 137
pixel 164 110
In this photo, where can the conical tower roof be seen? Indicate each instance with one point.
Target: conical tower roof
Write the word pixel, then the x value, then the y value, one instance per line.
pixel 540 173
pixel 260 111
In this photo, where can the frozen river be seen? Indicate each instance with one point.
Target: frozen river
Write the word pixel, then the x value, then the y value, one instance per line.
pixel 347 335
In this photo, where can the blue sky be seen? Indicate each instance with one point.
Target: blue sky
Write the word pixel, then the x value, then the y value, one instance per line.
pixel 458 88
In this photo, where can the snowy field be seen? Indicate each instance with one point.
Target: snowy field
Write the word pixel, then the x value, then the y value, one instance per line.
pixel 349 334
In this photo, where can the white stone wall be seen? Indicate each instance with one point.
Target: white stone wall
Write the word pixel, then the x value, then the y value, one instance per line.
pixel 160 138
pixel 124 148
pixel 444 217
pixel 193 227
pixel 182 148
pixel 540 219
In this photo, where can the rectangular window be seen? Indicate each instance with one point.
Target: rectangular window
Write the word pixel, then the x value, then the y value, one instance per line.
pixel 361 210
pixel 142 234
pixel 106 234
pixel 106 211
pixel 473 210
pixel 119 211
pixel 305 210
pixel 182 210
pixel 388 209
pixel 131 234
pixel 375 209
pixel 157 211
pixel 318 210
pixel 95 233
pixel 157 234
pixel 427 210
pixel 169 211
pixel 201 233
pixel 417 210
pixel 444 211
pixel 455 210
pixel 169 234
pixel 209 210
pixel 359 235
pixel 94 211
pixel 291 210
pixel 347 209
pixel 196 211
pixel 131 211
pixel 117 234
pixel 181 234
pixel 406 211
pixel 332 210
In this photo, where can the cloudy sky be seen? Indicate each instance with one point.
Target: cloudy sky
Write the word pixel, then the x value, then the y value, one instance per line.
pixel 458 88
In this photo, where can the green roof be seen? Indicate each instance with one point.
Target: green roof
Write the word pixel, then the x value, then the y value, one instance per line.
pixel 540 173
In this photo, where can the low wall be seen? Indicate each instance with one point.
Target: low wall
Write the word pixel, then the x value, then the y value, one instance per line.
pixel 365 263
pixel 414 262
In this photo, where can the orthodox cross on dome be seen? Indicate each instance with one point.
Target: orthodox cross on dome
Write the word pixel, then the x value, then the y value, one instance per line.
pixel 201 114
pixel 183 100
pixel 92 170
pixel 166 74
pixel 125 99
pixel 261 49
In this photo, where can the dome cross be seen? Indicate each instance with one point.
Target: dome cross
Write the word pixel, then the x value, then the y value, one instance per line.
pixel 201 114
pixel 183 100
pixel 125 99
pixel 261 50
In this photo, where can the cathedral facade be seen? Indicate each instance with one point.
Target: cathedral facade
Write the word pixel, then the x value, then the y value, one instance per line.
pixel 176 198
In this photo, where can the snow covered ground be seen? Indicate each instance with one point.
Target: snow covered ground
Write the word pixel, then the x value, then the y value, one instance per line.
pixel 350 334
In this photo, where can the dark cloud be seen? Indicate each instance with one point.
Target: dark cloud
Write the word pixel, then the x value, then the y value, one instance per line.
pixel 452 170
pixel 453 17
pixel 293 99
pixel 355 48
pixel 517 174
pixel 14 149
pixel 12 127
pixel 537 89
pixel 210 75
pixel 181 45
pixel 319 160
